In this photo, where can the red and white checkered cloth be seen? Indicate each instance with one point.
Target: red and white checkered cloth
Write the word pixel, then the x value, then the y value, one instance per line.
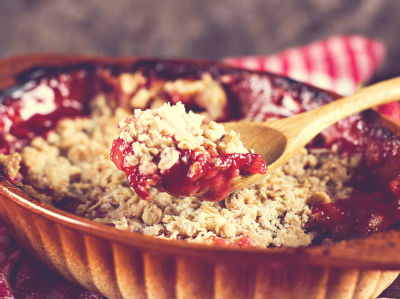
pixel 341 64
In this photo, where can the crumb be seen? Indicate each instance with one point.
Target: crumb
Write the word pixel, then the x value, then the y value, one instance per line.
pixel 10 164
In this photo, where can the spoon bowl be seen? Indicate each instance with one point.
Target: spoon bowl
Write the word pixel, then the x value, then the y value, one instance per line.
pixel 278 140
pixel 267 141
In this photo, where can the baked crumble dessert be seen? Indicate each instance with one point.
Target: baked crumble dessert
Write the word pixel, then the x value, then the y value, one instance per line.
pixel 73 166
pixel 171 150
pixel 324 193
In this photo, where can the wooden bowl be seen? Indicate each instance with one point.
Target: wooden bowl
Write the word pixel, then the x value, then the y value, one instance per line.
pixel 119 264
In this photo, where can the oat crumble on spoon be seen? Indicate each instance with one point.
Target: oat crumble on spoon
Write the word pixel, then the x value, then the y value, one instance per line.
pixel 171 150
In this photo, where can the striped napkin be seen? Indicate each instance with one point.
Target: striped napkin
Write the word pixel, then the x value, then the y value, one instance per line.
pixel 341 64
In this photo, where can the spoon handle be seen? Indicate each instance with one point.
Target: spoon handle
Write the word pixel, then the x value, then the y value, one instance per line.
pixel 301 128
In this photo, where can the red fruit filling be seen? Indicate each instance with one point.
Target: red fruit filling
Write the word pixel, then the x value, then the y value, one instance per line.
pixel 367 210
pixel 197 174
pixel 244 242
pixel 38 110
pixel 361 214
pixel 391 110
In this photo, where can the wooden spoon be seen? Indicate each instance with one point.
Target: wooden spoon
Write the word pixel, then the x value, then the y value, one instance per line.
pixel 277 141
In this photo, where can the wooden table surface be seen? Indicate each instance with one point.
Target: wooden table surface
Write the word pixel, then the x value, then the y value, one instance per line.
pixel 393 291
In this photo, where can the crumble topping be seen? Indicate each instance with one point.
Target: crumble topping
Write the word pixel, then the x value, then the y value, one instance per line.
pixel 158 134
pixel 10 164
pixel 72 164
pixel 130 83
pixel 205 93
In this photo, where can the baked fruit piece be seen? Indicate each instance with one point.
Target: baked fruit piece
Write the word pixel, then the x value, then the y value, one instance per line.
pixel 171 150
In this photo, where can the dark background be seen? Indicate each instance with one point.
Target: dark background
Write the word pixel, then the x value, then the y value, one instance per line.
pixel 192 28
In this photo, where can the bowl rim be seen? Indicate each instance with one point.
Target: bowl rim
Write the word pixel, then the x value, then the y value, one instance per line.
pixel 378 251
